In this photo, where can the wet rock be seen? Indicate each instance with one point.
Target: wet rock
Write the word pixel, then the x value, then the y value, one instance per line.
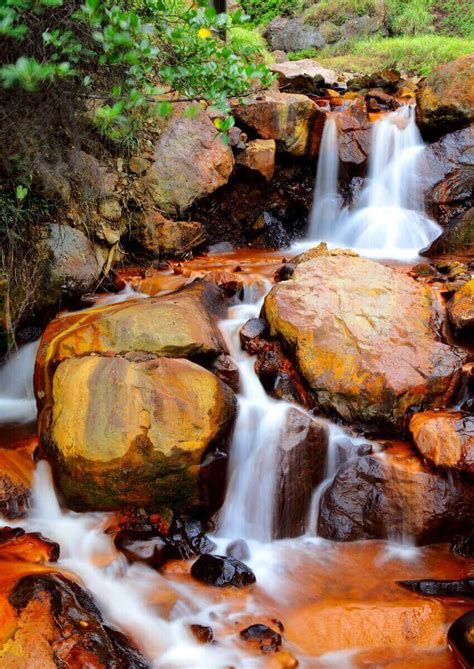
pixel 16 544
pixel 141 546
pixel 75 266
pixel 293 121
pixel 301 467
pixel 461 308
pixel 202 633
pixel 238 549
pixel 136 433
pixel 168 238
pixel 388 80
pixel 181 324
pixel 16 478
pixel 186 539
pixel 269 232
pixel 384 100
pixel 279 375
pixel 226 369
pixel 191 161
pixel 460 642
pixel 259 156
pixel 251 335
pixel 304 76
pixel 349 337
pixel 447 178
pixel 445 99
pixel 293 35
pixel 222 572
pixel 445 438
pixel 393 496
pixel 58 622
pixel 437 588
pixel 263 637
pixel 464 546
pixel 457 238
pixel 354 136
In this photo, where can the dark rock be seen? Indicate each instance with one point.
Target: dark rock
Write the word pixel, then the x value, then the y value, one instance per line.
pixel 387 80
pixel 279 376
pixel 89 641
pixel 464 546
pixel 302 458
pixel 270 232
pixel 437 588
pixel 202 633
pixel 27 334
pixel 447 177
pixel 457 238
pixel 285 272
pixel 141 547
pixel 238 549
pixel 222 572
pixel 395 497
pixel 266 639
pixel 227 370
pixel 468 405
pixel 186 539
pixel 251 335
pixel 460 640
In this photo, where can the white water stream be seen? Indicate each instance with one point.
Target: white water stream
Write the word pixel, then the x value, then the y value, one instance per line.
pixel 388 218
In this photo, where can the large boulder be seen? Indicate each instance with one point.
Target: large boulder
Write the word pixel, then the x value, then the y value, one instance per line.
pixel 75 265
pixel 167 238
pixel 461 308
pixel 305 76
pixel 293 35
pixel 445 438
pixel 178 325
pixel 447 175
pixel 121 432
pixel 391 495
pixel 364 337
pixel 191 161
pixel 293 121
pixel 446 97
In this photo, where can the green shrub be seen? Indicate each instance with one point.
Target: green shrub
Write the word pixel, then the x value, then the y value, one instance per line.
pixel 248 42
pixel 410 17
pixel 263 11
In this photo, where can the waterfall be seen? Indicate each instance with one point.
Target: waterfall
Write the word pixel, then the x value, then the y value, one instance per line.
pixel 388 219
pixel 326 201
pixel 249 506
pixel 17 400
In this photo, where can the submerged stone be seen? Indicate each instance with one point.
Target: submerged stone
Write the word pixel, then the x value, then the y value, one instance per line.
pixel 238 549
pixel 222 572
pixel 16 544
pixel 202 633
pixel 266 639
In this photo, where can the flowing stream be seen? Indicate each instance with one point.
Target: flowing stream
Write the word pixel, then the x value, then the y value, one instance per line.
pixel 387 220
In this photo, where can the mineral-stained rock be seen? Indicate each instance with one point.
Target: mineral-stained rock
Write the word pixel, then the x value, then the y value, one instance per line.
pixel 354 136
pixel 58 624
pixel 192 160
pixel 16 544
pixel 364 337
pixel 251 335
pixel 457 238
pixel 259 156
pixel 445 438
pixel 446 97
pixel 16 474
pixel 293 121
pixel 460 641
pixel 301 467
pixel 136 433
pixel 202 633
pixel 222 572
pixel 392 495
pixel 180 324
pixel 279 376
pixel 461 308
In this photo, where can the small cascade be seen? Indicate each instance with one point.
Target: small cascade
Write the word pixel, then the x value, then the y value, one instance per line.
pixel 17 400
pixel 248 510
pixel 326 201
pixel 388 219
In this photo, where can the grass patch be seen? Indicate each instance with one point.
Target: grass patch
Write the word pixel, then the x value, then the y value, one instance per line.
pixel 339 11
pixel 419 54
pixel 249 42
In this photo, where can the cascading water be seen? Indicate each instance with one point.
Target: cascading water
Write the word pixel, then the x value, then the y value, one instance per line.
pixel 388 219
pixel 326 201
pixel 17 400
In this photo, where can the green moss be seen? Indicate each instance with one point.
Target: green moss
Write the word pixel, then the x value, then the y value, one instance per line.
pixel 339 11
pixel 419 54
